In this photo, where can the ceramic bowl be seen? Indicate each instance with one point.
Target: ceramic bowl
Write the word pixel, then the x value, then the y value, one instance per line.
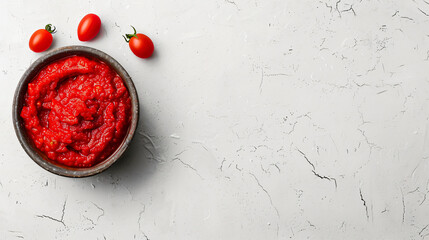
pixel 39 157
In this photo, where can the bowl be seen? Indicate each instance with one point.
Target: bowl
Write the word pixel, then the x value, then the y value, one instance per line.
pixel 18 101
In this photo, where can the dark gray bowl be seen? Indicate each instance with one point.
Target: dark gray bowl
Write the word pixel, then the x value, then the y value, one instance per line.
pixel 39 157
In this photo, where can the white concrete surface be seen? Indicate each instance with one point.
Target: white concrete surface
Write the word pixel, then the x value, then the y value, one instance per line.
pixel 296 119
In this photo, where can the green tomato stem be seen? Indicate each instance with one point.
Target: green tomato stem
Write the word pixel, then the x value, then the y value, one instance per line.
pixel 128 37
pixel 51 29
pixel 126 40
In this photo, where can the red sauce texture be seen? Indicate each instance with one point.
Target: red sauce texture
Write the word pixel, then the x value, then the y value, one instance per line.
pixel 77 111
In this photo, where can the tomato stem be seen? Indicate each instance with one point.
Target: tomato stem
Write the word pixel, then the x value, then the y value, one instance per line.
pixel 51 29
pixel 128 37
pixel 126 40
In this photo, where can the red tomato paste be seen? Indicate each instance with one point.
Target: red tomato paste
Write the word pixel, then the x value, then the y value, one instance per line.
pixel 77 111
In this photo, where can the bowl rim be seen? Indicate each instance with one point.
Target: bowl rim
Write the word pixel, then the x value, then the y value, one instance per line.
pixel 21 89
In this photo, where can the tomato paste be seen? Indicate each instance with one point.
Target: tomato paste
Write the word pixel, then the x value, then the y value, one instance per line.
pixel 77 111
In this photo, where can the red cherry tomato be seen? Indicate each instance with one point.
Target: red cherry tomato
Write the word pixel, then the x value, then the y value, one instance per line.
pixel 140 44
pixel 88 27
pixel 41 39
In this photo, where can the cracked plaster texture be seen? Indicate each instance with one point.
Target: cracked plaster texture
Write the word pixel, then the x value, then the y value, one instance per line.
pixel 297 119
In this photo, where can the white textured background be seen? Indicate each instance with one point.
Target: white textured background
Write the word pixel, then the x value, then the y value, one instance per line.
pixel 260 120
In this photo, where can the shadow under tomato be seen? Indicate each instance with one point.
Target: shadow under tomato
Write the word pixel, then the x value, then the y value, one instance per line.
pixel 155 55
pixel 101 34
pixel 53 46
pixel 150 61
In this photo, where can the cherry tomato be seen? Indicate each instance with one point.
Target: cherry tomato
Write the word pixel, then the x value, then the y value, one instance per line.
pixel 140 44
pixel 88 27
pixel 41 39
